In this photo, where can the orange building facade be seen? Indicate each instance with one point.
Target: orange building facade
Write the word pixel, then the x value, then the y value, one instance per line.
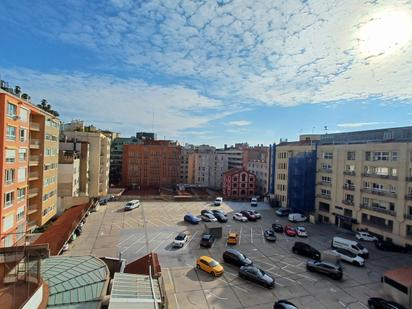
pixel 29 151
pixel 154 164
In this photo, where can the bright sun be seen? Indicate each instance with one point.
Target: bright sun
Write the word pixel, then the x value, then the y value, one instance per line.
pixel 386 32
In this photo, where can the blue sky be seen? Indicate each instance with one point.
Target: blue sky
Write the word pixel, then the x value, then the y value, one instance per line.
pixel 215 72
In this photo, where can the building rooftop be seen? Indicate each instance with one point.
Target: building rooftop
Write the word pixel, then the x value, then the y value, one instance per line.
pixel 402 275
pixel 75 281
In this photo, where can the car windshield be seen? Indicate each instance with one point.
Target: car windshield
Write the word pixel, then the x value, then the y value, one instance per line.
pixel 360 246
pixel 206 237
pixel 180 237
pixel 213 263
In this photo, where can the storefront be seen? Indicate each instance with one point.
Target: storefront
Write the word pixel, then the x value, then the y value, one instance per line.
pixel 344 222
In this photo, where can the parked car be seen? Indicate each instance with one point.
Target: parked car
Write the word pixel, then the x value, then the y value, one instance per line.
pixel 386 245
pixel 206 211
pixel 207 240
pixel 180 240
pixel 103 200
pixel 351 245
pixel 296 217
pixel 236 258
pixel 232 238
pixel 220 216
pixel 278 228
pixel 249 215
pixel 65 247
pixel 209 265
pixel 256 275
pixel 218 201
pixel 239 217
pixel 348 256
pixel 290 230
pixel 191 218
pixel 332 270
pixel 257 214
pixel 284 304
pixel 301 231
pixel 282 212
pixel 365 236
pixel 254 202
pixel 208 217
pixel 307 250
pixel 132 205
pixel 380 303
pixel 269 235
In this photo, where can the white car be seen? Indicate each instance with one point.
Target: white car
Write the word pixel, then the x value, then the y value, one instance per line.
pixel 239 217
pixel 347 256
pixel 365 236
pixel 180 240
pixel 218 201
pixel 208 217
pixel 301 231
pixel 254 202
pixel 132 205
pixel 296 217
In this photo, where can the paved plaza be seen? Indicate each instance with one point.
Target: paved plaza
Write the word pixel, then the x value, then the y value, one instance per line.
pixel 112 232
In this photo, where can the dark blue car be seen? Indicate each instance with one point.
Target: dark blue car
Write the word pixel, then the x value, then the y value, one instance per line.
pixel 191 219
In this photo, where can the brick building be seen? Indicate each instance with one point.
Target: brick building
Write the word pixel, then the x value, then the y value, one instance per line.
pixel 153 164
pixel 238 183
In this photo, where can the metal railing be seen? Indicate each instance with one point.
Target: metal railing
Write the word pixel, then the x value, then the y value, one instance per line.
pixel 374 175
pixel 34 143
pixel 33 192
pixel 324 196
pixel 324 183
pixel 378 209
pixel 378 192
pixel 34 176
pixel 408 217
pixel 349 173
pixel 324 170
pixel 34 126
pixel 349 187
pixel 348 202
pixel 376 225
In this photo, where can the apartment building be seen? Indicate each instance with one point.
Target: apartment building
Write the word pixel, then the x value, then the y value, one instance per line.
pixel 261 170
pixel 234 156
pixel 69 173
pixel 29 145
pixel 98 154
pixel 154 164
pixel 239 184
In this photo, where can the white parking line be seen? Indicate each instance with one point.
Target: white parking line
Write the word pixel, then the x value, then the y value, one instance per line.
pixel 154 250
pixel 124 240
pixel 177 303
pixel 251 236
pixel 362 304
pixel 342 304
pixel 128 247
pixel 240 234
pixel 191 238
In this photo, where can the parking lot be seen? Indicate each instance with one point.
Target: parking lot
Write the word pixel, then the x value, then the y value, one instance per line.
pixel 110 231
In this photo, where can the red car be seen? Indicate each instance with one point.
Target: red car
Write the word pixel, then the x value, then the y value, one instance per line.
pixel 290 230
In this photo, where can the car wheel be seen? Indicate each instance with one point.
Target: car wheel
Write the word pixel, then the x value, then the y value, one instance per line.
pixel 197 266
pixel 309 268
pixel 294 250
pixel 213 274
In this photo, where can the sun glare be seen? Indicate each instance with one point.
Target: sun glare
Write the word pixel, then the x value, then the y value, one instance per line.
pixel 386 32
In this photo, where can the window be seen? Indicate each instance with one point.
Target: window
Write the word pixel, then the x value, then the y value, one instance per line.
pixel 21 193
pixel 10 155
pixel 8 222
pixel 11 110
pixel 243 177
pixel 20 214
pixel 8 199
pixel 22 154
pixel 24 115
pixel 23 135
pixel 8 240
pixel 327 155
pixel 326 179
pixel 325 192
pixel 21 174
pixel 350 155
pixel 9 176
pixel 11 133
pixel 394 156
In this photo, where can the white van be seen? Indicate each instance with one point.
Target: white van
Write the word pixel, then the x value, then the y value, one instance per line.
pixel 132 205
pixel 296 217
pixel 350 245
pixel 218 201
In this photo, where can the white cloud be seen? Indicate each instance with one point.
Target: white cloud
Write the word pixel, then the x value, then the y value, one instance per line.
pixel 240 123
pixel 362 124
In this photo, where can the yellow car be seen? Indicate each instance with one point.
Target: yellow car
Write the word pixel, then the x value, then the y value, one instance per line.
pixel 209 265
pixel 232 239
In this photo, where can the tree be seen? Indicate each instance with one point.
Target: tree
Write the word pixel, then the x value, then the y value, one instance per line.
pixel 44 105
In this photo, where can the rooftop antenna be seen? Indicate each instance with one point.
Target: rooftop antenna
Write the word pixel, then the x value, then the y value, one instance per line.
pixel 152 121
pixel 326 129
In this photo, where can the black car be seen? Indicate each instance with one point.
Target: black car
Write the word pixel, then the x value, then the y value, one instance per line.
pixel 278 228
pixel 249 215
pixel 332 270
pixel 257 275
pixel 269 235
pixel 282 212
pixel 284 304
pixel 380 303
pixel 304 249
pixel 207 240
pixel 220 216
pixel 386 245
pixel 234 257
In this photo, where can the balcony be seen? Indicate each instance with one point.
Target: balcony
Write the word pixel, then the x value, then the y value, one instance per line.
pixel 34 160
pixel 34 176
pixel 34 126
pixel 348 202
pixel 378 226
pixel 378 209
pixel 408 217
pixel 349 173
pixel 323 183
pixel 325 170
pixel 324 196
pixel 34 143
pixel 31 225
pixel 32 209
pixel 33 192
pixel 380 176
pixel 408 197
pixel 378 192
pixel 349 187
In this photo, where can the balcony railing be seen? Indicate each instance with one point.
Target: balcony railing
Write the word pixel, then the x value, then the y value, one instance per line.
pixel 380 176
pixel 378 209
pixel 376 225
pixel 32 209
pixel 34 176
pixel 349 187
pixel 348 202
pixel 34 126
pixel 33 192
pixel 325 170
pixel 34 143
pixel 324 183
pixel 31 225
pixel 324 196
pixel 323 209
pixel 408 217
pixel 378 192
pixel 34 160
pixel 409 179
pixel 349 173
